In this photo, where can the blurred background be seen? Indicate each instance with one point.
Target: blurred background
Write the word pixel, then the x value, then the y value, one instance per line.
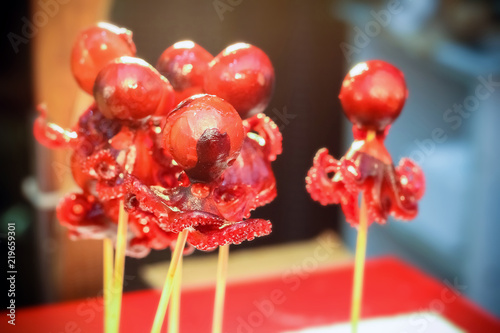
pixel 449 51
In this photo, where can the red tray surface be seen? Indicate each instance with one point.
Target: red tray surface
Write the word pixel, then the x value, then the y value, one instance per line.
pixel 301 298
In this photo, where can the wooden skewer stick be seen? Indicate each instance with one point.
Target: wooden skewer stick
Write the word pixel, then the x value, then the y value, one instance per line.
pixel 118 272
pixel 107 246
pixel 169 282
pixel 174 309
pixel 359 266
pixel 359 261
pixel 220 289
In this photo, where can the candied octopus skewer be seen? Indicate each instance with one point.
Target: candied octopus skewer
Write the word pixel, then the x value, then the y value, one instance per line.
pixel 212 134
pixel 213 227
pixel 372 96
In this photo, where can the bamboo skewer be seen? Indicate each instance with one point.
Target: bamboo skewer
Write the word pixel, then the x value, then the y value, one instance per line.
pixel 118 272
pixel 174 309
pixel 169 282
pixel 359 261
pixel 359 266
pixel 107 246
pixel 220 289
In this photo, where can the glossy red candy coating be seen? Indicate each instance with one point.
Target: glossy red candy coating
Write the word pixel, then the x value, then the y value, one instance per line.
pixel 249 183
pixel 82 213
pixel 94 48
pixel 129 88
pixel 177 209
pixel 411 177
pixel 373 94
pixel 49 134
pixel 208 238
pixel 243 75
pixel 80 174
pixel 145 163
pixel 91 133
pixel 204 135
pixel 185 64
pixel 153 165
pixel 388 190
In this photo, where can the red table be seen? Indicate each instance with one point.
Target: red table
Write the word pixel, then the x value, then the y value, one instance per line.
pixel 300 298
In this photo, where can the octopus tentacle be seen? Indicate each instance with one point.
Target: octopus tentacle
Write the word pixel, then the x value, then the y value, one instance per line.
pixel 145 226
pixel 82 214
pixel 377 204
pixel 267 129
pixel 411 177
pixel 210 237
pixel 350 208
pixel 103 165
pixel 170 218
pixel 179 221
pixel 109 190
pixel 387 190
pixel 249 183
pixel 409 187
pixel 321 186
pixel 50 134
